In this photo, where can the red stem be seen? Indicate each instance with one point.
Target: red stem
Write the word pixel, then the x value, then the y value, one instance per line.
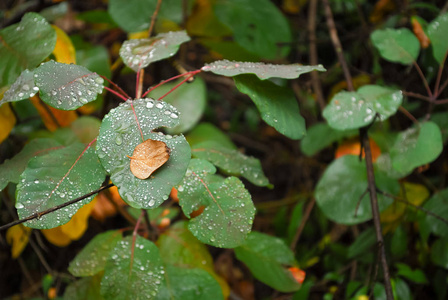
pixel 116 86
pixel 176 86
pixel 136 119
pixel 117 94
pixel 171 79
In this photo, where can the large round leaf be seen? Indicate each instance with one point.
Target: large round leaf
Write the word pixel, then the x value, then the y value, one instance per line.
pixel 54 179
pixel 67 87
pixel 396 45
pixel 341 192
pixel 120 134
pixel 352 110
pixel 24 46
pixel 437 30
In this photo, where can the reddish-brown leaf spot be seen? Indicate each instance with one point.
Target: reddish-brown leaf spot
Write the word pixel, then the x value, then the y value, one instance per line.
pixel 148 157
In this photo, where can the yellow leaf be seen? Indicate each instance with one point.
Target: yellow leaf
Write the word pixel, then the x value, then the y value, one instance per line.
pixel 56 236
pixel 17 236
pixel 293 6
pixel 7 121
pixel 64 51
pixel 138 35
pixel 63 117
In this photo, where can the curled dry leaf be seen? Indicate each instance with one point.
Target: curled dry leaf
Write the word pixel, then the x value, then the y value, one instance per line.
pixel 148 157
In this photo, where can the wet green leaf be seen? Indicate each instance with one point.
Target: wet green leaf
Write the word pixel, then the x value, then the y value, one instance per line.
pixel 23 88
pixel 277 105
pixel 139 53
pixel 396 45
pixel 133 270
pixel 55 178
pixel 352 110
pixel 119 135
pixel 92 258
pixel 24 45
pixel 268 257
pixel 339 191
pixel 437 34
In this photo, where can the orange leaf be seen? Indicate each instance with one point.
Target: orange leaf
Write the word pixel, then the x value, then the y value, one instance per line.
pixel 148 157
pixel 103 207
pixel 7 121
pixel 173 195
pixel 353 147
pixel 64 51
pixel 420 33
pixel 298 274
pixel 17 236
pixel 56 236
pixel 63 117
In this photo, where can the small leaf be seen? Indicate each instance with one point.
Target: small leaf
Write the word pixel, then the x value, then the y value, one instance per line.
pixel 277 105
pixel 396 45
pixel 416 276
pixel 23 88
pixel 437 34
pixel 55 178
pixel 67 87
pixel 352 110
pixel 268 257
pixel 133 271
pixel 17 236
pixel 262 70
pixel 7 121
pixel 148 157
pixel 231 161
pixel 24 45
pixel 92 258
pixel 139 53
pixel 415 147
pixel 341 191
pixel 120 134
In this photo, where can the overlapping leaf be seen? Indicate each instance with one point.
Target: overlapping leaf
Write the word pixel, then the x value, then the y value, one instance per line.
pixel 23 88
pixel 437 34
pixel 139 53
pixel 262 70
pixel 133 271
pixel 120 134
pixel 67 87
pixel 54 179
pixel 268 258
pixel 396 45
pixel 352 110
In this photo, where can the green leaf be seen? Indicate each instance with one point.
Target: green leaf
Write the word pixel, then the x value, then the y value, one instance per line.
pixel 439 252
pixel 23 88
pixel 437 204
pixel 399 243
pixel 228 215
pixel 339 191
pixel 231 161
pixel 321 135
pixel 415 147
pixel 295 220
pixel 209 132
pixel 94 58
pixel 441 119
pixel 363 243
pixel 92 258
pixel 189 99
pixel 119 135
pixel 133 270
pixel 24 46
pixel 139 53
pixel 188 284
pixel 257 25
pixel 86 128
pixel 11 169
pixel 437 34
pixel 67 87
pixel 277 105
pixel 416 275
pixel 267 258
pixel 396 45
pixel 55 178
pixel 352 110
pixel 132 15
pixel 87 288
pixel 262 70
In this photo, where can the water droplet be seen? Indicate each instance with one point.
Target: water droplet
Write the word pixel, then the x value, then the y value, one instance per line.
pixel 149 105
pixel 151 203
pixel 118 140
pixel 54 92
pixel 19 205
pixel 99 80
pixel 159 105
pixel 174 116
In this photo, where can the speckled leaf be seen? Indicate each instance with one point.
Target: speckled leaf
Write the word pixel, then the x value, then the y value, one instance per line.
pixel 119 135
pixel 92 257
pixel 54 179
pixel 67 87
pixel 188 284
pixel 415 147
pixel 352 110
pixel 231 161
pixel 437 30
pixel 23 88
pixel 339 191
pixel 268 257
pixel 132 15
pixel 262 70
pixel 396 45
pixel 132 271
pixel 11 169
pixel 24 45
pixel 139 53
pixel 228 217
pixel 277 105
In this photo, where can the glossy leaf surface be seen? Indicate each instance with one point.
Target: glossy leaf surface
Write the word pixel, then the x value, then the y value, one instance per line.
pixel 67 87
pixel 54 179
pixel 120 134
pixel 23 88
pixel 396 45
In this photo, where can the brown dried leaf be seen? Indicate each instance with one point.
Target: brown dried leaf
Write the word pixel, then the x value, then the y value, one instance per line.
pixel 148 157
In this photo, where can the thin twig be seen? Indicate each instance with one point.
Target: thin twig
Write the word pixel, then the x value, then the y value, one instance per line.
pixel 408 114
pixel 418 96
pixel 305 218
pixel 423 78
pixel 176 86
pixel 439 77
pixel 139 83
pixel 154 17
pixel 171 79
pixel 116 94
pixel 55 208
pixel 116 86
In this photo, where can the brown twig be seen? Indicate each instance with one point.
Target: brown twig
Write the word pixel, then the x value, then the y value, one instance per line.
pixel 418 96
pixel 408 114
pixel 154 17
pixel 305 218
